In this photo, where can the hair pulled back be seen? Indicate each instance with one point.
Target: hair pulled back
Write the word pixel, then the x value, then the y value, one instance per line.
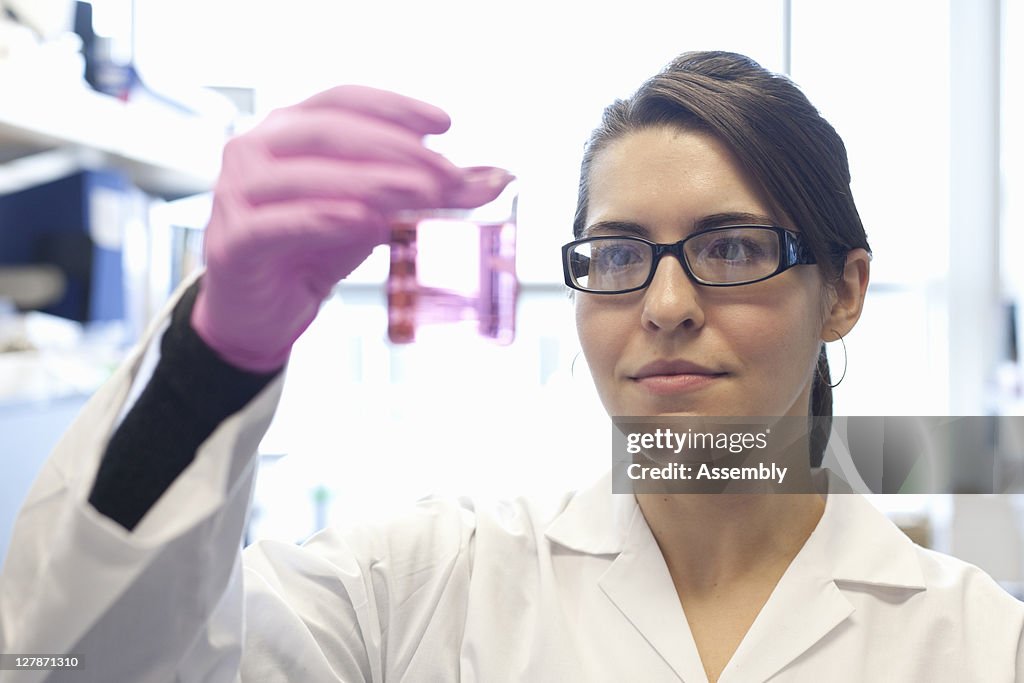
pixel 781 140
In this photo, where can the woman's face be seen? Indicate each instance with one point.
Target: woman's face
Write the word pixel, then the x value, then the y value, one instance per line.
pixel 678 347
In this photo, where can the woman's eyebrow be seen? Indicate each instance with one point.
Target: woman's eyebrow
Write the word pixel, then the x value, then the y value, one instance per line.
pixel 618 227
pixel 731 218
pixel 705 223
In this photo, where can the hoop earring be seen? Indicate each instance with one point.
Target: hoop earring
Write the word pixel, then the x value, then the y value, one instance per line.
pixel 846 360
pixel 572 366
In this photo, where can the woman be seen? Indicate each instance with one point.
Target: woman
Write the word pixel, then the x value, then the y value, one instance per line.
pixel 125 551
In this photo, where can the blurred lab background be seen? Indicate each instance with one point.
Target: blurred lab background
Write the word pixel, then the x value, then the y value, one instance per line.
pixel 113 113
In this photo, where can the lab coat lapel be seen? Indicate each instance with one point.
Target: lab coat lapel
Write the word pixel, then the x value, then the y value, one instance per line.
pixel 804 607
pixel 853 543
pixel 639 584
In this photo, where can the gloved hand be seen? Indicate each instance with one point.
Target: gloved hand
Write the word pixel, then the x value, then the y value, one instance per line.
pixel 303 199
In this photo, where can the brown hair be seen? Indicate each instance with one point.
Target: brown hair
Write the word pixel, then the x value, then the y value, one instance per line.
pixel 782 141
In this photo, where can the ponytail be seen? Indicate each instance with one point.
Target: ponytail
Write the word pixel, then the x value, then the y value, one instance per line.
pixel 821 410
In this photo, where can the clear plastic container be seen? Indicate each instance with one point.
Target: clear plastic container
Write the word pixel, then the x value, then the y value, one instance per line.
pixel 455 267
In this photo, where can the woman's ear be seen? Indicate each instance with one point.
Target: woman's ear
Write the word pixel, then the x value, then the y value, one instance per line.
pixel 849 292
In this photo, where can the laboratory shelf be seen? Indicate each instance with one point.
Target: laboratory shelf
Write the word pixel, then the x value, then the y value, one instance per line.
pixel 165 152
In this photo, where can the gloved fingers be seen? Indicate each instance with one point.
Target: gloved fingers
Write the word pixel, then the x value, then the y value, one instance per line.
pixel 354 136
pixel 339 232
pixel 480 184
pixel 386 187
pixel 416 115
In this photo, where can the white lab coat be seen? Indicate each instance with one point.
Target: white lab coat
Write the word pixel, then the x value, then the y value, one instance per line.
pixel 572 591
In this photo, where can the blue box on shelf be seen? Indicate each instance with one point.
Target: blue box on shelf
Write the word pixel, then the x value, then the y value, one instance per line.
pixel 75 223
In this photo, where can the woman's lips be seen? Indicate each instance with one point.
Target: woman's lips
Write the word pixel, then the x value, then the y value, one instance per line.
pixel 675 384
pixel 674 376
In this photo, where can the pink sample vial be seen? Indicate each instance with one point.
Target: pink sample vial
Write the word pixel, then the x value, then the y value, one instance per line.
pixel 454 267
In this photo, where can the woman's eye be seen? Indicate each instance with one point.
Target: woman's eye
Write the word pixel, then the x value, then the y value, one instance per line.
pixel 616 256
pixel 735 250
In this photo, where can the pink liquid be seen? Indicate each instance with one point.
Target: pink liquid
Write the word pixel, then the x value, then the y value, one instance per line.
pixel 448 270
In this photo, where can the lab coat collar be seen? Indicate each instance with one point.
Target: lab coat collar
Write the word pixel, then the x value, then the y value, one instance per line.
pixel 595 521
pixel 859 542
pixel 853 545
pixel 852 542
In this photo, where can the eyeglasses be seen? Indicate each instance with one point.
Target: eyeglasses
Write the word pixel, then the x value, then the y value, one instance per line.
pixel 720 257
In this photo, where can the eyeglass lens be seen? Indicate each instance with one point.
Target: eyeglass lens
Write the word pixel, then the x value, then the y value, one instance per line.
pixel 717 257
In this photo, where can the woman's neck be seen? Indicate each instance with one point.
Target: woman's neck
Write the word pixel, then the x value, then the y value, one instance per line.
pixel 713 540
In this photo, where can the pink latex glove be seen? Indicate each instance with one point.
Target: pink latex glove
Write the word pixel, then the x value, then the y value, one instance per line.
pixel 303 199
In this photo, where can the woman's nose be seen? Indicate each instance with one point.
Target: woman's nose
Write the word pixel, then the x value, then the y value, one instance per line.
pixel 671 300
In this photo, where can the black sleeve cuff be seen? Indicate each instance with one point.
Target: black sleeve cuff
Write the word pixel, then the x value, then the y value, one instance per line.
pixel 191 392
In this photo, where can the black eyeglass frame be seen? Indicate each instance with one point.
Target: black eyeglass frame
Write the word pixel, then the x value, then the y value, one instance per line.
pixel 792 252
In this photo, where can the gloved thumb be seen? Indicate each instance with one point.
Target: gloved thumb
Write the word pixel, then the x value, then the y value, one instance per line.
pixel 480 185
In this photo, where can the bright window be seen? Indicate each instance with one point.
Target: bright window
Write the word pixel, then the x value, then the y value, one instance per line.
pixel 367 426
